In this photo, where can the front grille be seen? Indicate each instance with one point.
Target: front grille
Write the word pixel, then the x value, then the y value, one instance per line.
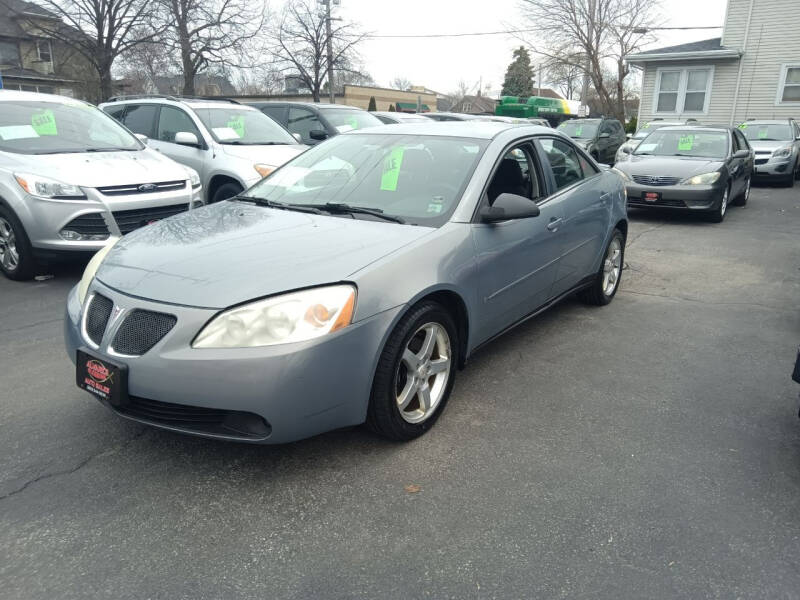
pixel 660 202
pixel 128 220
pixel 97 314
pixel 141 330
pixel 657 180
pixel 142 188
pixel 762 161
pixel 230 423
pixel 88 225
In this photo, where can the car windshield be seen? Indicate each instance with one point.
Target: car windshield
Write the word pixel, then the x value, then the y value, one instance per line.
pixel 579 129
pixel 646 130
pixel 417 178
pixel 345 120
pixel 33 127
pixel 685 142
pixel 767 132
pixel 233 124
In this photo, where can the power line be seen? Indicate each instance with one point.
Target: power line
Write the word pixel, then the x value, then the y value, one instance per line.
pixel 512 31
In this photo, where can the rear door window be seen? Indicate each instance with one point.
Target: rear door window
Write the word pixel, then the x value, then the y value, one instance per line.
pixel 141 118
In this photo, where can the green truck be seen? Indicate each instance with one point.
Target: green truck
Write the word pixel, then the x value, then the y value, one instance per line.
pixel 554 110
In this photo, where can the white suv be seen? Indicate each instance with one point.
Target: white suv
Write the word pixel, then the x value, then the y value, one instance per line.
pixel 71 178
pixel 231 145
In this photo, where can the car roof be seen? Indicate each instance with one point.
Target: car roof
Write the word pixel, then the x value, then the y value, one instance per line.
pixel 318 105
pixel 699 127
pixel 191 102
pixel 467 129
pixel 11 95
pixel 768 121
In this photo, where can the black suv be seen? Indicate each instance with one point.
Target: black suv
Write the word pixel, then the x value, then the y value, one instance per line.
pixel 599 137
pixel 317 122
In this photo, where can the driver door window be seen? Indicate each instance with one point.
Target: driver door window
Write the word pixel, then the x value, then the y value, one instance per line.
pixel 173 120
pixel 303 121
pixel 515 174
pixel 563 160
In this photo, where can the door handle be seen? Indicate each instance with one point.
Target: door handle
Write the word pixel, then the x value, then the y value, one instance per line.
pixel 605 196
pixel 554 224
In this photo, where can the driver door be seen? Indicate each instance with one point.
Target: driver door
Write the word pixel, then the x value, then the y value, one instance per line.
pixel 517 259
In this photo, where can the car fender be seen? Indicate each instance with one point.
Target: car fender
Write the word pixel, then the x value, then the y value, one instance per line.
pixel 14 200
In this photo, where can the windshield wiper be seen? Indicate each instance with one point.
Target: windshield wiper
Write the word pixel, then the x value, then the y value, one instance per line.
pixel 110 150
pixel 341 208
pixel 241 143
pixel 279 205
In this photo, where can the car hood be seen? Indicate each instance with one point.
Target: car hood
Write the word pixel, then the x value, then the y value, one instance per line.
pixel 769 145
pixel 669 166
pixel 273 156
pixel 232 252
pixel 98 169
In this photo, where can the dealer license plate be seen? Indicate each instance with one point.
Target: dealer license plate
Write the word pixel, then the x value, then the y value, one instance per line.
pixel 651 196
pixel 104 379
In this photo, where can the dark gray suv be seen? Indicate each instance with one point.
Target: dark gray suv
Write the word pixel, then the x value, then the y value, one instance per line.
pixel 599 137
pixel 314 122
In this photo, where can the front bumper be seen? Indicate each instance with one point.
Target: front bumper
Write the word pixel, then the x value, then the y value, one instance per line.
pixel 678 197
pixel 299 390
pixel 98 214
pixel 773 168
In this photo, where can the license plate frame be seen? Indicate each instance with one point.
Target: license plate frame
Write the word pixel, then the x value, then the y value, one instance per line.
pixel 104 379
pixel 651 196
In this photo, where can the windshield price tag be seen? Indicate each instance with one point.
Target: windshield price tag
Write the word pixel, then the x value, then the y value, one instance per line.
pixel 237 124
pixel 686 142
pixel 763 132
pixel 578 131
pixel 44 123
pixel 391 170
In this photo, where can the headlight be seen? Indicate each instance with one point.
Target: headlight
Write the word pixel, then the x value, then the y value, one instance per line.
pixel 43 187
pixel 293 317
pixel 782 152
pixel 91 269
pixel 704 179
pixel 622 174
pixel 194 178
pixel 263 170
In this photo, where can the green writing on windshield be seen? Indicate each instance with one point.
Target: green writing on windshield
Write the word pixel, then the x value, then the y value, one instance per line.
pixel 686 142
pixel 237 124
pixel 578 131
pixel 391 170
pixel 44 123
pixel 762 133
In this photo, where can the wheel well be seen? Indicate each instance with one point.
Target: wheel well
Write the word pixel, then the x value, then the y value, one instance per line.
pixel 216 182
pixel 458 309
pixel 622 225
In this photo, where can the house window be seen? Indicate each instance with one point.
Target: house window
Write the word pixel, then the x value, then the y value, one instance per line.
pixel 467 107
pixel 9 54
pixel 683 90
pixel 789 88
pixel 44 50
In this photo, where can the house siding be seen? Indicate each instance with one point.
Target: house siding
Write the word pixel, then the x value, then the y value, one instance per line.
pixel 773 40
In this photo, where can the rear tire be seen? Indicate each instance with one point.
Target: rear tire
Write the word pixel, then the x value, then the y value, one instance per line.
pixel 411 373
pixel 16 253
pixel 606 282
pixel 225 191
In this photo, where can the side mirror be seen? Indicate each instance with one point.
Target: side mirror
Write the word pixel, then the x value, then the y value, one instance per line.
pixel 741 154
pixel 298 137
pixel 605 135
pixel 318 134
pixel 142 138
pixel 507 207
pixel 626 150
pixel 628 136
pixel 187 138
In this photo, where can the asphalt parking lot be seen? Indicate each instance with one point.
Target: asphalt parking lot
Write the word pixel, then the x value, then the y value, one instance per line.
pixel 647 449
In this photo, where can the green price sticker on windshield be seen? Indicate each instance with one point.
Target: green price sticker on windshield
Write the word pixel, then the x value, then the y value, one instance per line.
pixel 686 142
pixel 353 123
pixel 578 131
pixel 391 170
pixel 44 123
pixel 237 124
pixel 743 126
pixel 762 133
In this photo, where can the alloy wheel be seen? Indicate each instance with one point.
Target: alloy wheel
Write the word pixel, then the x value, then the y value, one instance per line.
pixel 9 255
pixel 612 266
pixel 747 190
pixel 723 207
pixel 423 373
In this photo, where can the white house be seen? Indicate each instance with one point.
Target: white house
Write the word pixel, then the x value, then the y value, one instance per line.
pixel 751 72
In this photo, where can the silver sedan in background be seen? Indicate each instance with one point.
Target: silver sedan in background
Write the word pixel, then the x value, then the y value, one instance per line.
pixel 349 285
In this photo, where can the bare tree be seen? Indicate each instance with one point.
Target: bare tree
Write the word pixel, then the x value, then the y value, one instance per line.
pixel 462 91
pixel 144 63
pixel 100 30
pixel 400 83
pixel 589 34
pixel 299 42
pixel 566 77
pixel 206 33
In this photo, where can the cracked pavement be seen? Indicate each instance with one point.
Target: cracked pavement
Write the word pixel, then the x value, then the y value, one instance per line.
pixel 647 449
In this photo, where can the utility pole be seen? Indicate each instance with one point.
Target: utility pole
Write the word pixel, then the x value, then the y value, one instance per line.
pixel 330 49
pixel 539 80
pixel 587 67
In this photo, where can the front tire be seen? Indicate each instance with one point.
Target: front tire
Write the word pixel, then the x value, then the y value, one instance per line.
pixel 718 214
pixel 606 283
pixel 415 374
pixel 742 201
pixel 225 191
pixel 16 253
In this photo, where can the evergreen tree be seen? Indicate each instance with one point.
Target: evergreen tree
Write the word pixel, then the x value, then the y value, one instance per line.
pixel 372 107
pixel 519 75
pixel 391 108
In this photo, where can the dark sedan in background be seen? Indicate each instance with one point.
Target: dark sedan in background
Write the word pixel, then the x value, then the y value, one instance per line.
pixel 694 168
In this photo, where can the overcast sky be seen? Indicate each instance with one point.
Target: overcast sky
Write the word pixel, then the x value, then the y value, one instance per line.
pixel 439 64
